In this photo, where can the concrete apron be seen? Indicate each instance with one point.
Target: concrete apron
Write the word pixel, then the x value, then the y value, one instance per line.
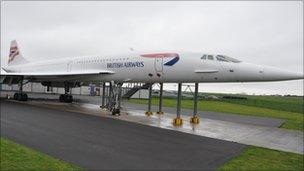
pixel 268 137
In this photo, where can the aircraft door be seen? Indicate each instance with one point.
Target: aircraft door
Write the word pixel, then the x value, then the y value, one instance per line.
pixel 158 64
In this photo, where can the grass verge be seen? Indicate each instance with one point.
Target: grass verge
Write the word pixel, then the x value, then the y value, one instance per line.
pixel 19 157
pixel 285 103
pixel 288 105
pixel 257 158
pixel 293 120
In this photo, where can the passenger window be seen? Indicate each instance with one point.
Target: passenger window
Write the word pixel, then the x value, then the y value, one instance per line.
pixel 210 57
pixel 203 57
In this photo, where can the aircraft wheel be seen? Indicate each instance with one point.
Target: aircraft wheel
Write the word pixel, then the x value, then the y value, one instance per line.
pixel 19 97
pixel 61 98
pixel 68 98
pixel 24 96
pixel 116 112
pixel 16 96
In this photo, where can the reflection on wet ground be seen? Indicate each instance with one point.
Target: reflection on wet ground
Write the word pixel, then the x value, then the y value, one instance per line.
pixel 269 137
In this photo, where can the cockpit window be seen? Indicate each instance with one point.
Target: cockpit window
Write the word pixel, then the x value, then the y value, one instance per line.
pixel 203 57
pixel 227 59
pixel 221 58
pixel 210 57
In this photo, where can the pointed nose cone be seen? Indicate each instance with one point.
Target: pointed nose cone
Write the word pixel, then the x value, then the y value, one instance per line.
pixel 275 74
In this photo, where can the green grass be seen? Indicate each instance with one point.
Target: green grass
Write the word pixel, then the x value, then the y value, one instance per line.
pixel 290 104
pixel 293 120
pixel 256 158
pixel 19 157
pixel 285 103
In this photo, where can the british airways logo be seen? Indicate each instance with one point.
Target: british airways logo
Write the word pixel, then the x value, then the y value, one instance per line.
pixel 13 53
pixel 175 57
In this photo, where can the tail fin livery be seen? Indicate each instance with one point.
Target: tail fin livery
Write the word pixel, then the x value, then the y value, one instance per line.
pixel 15 56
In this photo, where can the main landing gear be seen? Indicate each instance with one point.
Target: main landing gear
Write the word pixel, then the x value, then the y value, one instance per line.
pixel 114 100
pixel 20 96
pixel 66 97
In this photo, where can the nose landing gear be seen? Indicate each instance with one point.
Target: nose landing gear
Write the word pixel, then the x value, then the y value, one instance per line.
pixel 21 96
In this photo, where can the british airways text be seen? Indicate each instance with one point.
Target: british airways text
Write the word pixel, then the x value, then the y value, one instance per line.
pixel 125 65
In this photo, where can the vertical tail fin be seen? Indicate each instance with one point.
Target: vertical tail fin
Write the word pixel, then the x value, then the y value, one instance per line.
pixel 15 56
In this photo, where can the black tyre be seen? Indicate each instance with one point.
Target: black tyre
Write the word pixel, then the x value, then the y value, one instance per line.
pixel 69 99
pixel 24 96
pixel 61 98
pixel 16 96
pixel 116 112
pixel 19 97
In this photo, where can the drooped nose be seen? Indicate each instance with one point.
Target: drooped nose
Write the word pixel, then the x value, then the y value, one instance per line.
pixel 275 74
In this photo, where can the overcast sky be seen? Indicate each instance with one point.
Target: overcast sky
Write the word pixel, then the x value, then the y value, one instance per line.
pixel 267 33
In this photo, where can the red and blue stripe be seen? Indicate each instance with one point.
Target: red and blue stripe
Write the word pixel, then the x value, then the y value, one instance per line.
pixel 173 61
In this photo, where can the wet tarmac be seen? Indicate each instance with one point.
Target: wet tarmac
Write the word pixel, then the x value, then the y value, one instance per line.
pixel 252 120
pixel 249 134
pixel 89 137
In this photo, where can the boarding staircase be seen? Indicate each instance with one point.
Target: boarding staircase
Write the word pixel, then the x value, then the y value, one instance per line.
pixel 136 88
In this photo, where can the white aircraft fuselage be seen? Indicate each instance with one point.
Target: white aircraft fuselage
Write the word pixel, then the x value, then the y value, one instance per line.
pixel 163 67
pixel 153 67
pixel 149 68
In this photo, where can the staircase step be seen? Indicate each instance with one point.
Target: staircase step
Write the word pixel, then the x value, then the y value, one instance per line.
pixel 132 91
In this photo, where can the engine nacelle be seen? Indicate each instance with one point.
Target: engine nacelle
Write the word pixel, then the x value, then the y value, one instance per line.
pixel 10 79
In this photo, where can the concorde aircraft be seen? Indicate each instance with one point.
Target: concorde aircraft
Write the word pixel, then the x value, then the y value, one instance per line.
pixel 160 67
